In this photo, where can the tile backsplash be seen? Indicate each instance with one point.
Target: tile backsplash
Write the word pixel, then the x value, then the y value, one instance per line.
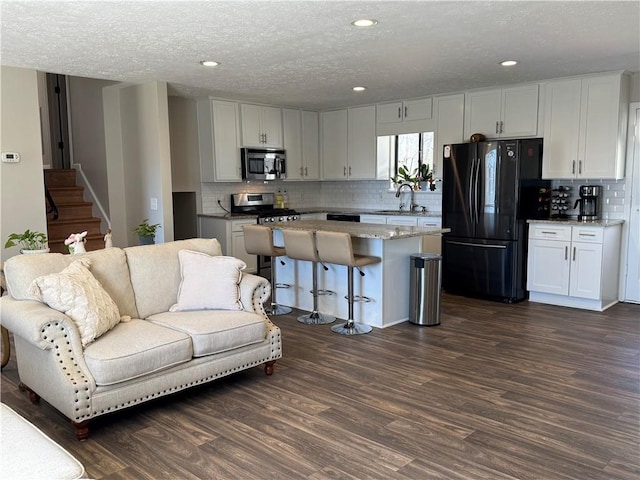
pixel 376 195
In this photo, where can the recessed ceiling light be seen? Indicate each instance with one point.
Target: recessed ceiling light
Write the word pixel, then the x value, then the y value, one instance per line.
pixel 509 63
pixel 364 22
pixel 209 63
pixel 359 89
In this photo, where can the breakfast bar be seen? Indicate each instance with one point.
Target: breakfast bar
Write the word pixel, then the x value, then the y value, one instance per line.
pixel 386 284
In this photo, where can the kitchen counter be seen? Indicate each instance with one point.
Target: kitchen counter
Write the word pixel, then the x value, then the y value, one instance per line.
pixel 362 230
pixel 352 211
pixel 574 221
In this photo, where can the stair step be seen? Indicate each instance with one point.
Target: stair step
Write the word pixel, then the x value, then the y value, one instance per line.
pixel 94 242
pixel 61 229
pixel 70 211
pixel 60 177
pixel 66 195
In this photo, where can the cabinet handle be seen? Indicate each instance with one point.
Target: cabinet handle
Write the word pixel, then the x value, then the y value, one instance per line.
pixel 344 171
pixel 406 111
pixel 399 112
pixel 566 252
pixel 580 167
pixel 574 254
pixel 501 126
pixel 301 174
pixel 549 233
pixel 349 171
pixel 306 171
pixel 587 234
pixel 497 127
pixel 573 167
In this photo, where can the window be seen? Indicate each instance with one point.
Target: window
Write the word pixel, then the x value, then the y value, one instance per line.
pixel 410 151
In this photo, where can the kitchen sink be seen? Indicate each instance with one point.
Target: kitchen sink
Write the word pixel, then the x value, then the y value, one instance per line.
pixel 395 212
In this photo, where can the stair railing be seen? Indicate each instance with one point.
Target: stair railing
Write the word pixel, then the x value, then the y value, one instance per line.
pixel 85 183
pixel 52 208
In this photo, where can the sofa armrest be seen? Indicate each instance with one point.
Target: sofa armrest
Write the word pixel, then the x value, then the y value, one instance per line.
pixel 31 320
pixel 254 292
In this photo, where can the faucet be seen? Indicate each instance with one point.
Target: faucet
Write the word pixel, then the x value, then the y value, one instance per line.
pixel 399 191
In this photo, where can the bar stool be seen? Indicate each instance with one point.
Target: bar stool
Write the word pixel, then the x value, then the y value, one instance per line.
pixel 337 248
pixel 258 240
pixel 300 245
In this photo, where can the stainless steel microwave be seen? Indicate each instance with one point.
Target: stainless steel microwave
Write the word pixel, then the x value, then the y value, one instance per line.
pixel 263 164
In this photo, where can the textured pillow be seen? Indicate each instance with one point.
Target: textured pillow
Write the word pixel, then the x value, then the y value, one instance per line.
pixel 75 292
pixel 208 283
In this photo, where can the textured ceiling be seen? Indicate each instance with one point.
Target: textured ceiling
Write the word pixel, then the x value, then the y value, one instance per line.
pixel 306 53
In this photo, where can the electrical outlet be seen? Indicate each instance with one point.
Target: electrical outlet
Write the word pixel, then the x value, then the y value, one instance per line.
pixel 154 203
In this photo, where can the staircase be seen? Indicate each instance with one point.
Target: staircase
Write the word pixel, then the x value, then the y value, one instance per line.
pixel 74 214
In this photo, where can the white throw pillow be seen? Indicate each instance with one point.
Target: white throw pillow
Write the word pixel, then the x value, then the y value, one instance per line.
pixel 208 283
pixel 75 292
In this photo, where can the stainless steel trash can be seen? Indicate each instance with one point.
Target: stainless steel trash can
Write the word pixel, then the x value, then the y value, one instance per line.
pixel 424 284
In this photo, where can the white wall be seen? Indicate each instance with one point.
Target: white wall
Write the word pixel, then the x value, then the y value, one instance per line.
pixel 138 159
pixel 22 184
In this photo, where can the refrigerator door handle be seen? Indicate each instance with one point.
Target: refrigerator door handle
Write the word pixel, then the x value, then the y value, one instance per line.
pixel 479 245
pixel 470 192
pixel 476 199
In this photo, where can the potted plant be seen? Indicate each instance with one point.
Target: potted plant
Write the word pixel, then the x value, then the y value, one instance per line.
pixel 425 174
pixel 29 242
pixel 404 176
pixel 146 232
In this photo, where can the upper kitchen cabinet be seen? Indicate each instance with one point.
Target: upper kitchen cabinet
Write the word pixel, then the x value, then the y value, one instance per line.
pixel 301 142
pixel 218 140
pixel 349 144
pixel 585 124
pixel 449 113
pixel 409 116
pixel 504 113
pixel 261 126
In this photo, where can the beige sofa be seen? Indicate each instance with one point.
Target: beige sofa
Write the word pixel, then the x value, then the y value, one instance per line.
pixel 156 353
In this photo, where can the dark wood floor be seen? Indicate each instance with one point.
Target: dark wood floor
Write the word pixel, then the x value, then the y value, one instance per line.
pixel 498 391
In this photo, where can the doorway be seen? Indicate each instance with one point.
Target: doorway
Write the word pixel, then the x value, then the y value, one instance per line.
pixel 632 278
pixel 58 120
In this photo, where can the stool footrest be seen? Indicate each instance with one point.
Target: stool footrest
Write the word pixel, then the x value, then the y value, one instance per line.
pixel 283 285
pixel 322 291
pixel 359 298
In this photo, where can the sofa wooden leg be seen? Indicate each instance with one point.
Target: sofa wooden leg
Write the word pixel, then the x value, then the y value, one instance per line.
pixel 268 367
pixel 33 396
pixel 82 430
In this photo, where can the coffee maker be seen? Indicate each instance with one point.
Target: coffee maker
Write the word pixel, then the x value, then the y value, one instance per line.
pixel 589 202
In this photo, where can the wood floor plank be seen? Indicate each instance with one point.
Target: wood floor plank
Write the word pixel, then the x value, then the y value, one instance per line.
pixel 497 391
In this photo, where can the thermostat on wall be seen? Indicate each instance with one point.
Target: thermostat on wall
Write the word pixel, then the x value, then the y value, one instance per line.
pixel 10 157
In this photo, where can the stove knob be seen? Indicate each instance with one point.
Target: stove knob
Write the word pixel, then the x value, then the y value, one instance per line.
pixel 282 219
pixel 272 219
pixel 289 218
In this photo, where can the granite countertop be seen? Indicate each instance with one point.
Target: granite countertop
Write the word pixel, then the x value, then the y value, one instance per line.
pixel 361 230
pixel 575 221
pixel 353 211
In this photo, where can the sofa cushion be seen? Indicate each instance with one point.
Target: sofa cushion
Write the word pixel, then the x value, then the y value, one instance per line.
pixel 214 331
pixel 208 283
pixel 155 272
pixel 77 293
pixel 136 348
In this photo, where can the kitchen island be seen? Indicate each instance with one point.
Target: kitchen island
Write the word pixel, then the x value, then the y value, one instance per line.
pixel 385 283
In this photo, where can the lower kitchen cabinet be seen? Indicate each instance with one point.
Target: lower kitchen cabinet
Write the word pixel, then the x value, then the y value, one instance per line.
pixel 574 265
pixel 231 237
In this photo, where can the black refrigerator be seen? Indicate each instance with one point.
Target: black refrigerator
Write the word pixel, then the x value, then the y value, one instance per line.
pixel 489 191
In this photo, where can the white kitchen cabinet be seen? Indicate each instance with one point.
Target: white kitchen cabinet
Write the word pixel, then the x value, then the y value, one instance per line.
pixel 585 122
pixel 449 112
pixel 502 113
pixel 404 220
pixel 231 237
pixel 407 116
pixel 431 243
pixel 301 142
pixel 377 219
pixel 349 144
pixel 218 140
pixel 574 266
pixel 261 126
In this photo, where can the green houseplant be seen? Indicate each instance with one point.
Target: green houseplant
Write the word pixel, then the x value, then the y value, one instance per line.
pixel 404 176
pixel 29 242
pixel 146 232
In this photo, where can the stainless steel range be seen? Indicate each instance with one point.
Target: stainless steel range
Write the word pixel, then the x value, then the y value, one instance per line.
pixel 261 205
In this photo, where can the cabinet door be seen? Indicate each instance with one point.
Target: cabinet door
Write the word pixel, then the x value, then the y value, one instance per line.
pixel 272 126
pixel 237 247
pixel 310 145
pixel 586 270
pixel 334 144
pixel 292 130
pixel 420 109
pixel 599 127
pixel 450 126
pixel 482 113
pixel 251 128
pixel 406 221
pixel 377 219
pixel 548 267
pixel 561 129
pixel 226 141
pixel 519 114
pixel 362 144
pixel 389 112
